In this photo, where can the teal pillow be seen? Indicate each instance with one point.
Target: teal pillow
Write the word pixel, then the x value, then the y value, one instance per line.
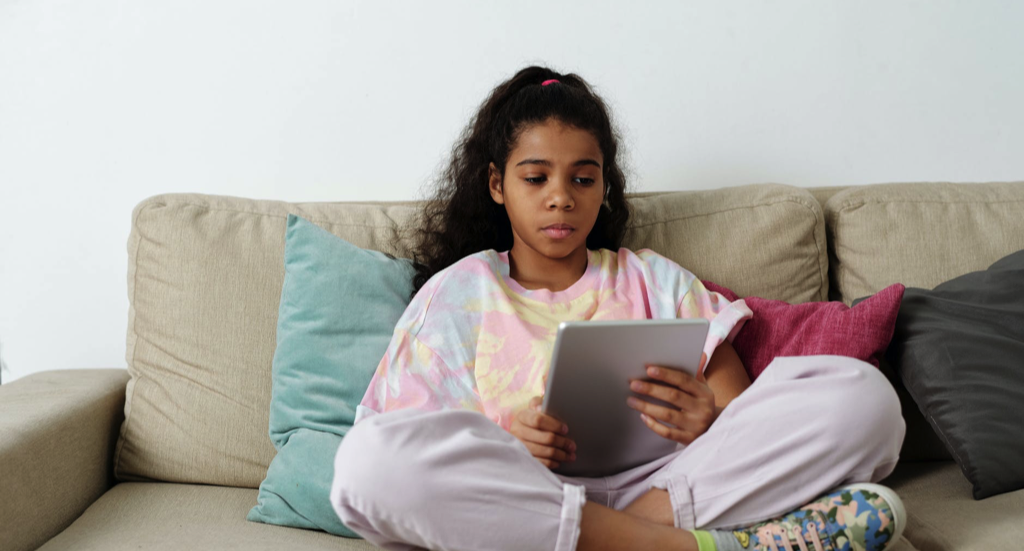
pixel 339 306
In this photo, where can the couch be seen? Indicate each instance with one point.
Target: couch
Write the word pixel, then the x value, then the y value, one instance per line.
pixel 169 453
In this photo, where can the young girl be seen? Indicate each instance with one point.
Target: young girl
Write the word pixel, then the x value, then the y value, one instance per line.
pixel 449 449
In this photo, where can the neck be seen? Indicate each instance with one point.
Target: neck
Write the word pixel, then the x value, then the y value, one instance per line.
pixel 536 271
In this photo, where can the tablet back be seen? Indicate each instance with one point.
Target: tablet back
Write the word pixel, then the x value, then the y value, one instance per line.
pixel 588 384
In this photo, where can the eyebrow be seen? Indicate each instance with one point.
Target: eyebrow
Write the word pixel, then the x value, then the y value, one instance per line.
pixel 580 162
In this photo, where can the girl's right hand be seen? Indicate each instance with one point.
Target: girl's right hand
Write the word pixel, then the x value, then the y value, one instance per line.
pixel 543 435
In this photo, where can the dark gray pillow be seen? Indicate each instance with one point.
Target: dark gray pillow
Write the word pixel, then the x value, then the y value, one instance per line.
pixel 959 349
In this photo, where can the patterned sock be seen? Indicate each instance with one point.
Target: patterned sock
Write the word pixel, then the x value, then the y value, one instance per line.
pixel 862 516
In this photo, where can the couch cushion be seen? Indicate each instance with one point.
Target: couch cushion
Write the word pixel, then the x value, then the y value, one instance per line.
pixel 339 307
pixel 156 516
pixel 204 282
pixel 919 234
pixel 763 240
pixel 779 328
pixel 959 349
pixel 943 514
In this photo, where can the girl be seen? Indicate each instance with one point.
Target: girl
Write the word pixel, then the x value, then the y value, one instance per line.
pixel 449 449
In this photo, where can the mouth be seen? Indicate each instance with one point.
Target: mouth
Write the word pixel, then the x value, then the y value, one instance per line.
pixel 558 231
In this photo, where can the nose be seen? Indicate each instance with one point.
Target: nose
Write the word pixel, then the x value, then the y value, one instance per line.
pixel 560 195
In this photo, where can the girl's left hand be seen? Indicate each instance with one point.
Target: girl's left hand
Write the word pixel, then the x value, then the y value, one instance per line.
pixel 694 402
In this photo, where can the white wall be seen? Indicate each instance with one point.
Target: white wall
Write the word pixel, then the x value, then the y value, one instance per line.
pixel 105 103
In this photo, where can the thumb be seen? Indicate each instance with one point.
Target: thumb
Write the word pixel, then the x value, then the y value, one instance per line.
pixel 535 402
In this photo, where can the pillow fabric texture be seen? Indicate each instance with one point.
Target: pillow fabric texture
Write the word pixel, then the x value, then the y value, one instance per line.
pixel 959 350
pixel 811 328
pixel 338 310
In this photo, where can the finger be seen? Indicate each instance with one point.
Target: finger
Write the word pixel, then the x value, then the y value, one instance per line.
pixel 546 452
pixel 666 393
pixel 699 420
pixel 696 420
pixel 679 379
pixel 672 376
pixel 676 435
pixel 548 464
pixel 546 422
pixel 545 438
pixel 658 412
pixel 699 389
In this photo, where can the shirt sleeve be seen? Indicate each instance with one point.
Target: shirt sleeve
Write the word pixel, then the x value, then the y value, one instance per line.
pixel 727 318
pixel 412 375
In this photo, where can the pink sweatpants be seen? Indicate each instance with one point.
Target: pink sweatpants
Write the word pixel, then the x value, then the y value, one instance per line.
pixel 454 480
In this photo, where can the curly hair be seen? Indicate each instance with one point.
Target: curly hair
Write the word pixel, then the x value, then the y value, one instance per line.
pixel 461 218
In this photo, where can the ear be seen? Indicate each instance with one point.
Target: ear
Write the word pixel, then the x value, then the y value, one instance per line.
pixel 494 183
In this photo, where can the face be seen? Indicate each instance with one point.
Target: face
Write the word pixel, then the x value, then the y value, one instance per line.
pixel 552 189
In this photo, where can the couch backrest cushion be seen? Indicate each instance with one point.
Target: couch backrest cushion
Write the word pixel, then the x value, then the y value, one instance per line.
pixel 763 240
pixel 919 234
pixel 204 283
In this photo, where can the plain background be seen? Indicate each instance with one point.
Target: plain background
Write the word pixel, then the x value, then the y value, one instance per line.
pixel 105 103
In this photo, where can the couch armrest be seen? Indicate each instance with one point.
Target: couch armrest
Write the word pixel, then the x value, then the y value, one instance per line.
pixel 57 435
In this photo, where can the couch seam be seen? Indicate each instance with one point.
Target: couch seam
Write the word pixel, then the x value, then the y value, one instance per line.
pixel 822 277
pixel 852 203
pixel 843 283
pixel 122 436
pixel 274 215
pixel 720 211
pixel 930 529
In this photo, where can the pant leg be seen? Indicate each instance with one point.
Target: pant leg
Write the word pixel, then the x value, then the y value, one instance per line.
pixel 450 480
pixel 806 425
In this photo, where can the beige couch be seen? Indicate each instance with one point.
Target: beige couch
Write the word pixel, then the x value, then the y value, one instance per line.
pixel 169 454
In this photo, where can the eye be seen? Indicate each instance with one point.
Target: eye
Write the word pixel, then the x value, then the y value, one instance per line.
pixel 540 179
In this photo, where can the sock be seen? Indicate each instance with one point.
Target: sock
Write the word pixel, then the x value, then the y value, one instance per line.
pixel 724 541
pixel 705 542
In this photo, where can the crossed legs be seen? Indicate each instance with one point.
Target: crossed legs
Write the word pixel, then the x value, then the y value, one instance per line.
pixel 454 480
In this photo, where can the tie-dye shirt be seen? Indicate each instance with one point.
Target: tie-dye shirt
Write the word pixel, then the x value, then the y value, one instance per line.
pixel 473 338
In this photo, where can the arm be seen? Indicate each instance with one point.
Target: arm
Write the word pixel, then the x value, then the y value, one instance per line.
pixel 412 375
pixel 726 376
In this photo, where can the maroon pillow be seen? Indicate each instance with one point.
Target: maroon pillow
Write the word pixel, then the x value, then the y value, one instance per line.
pixel 782 329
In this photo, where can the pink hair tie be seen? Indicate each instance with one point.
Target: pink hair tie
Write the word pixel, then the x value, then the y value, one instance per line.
pixel 546 82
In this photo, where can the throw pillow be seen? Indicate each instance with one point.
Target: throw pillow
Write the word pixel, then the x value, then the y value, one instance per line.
pixel 338 310
pixel 959 349
pixel 782 329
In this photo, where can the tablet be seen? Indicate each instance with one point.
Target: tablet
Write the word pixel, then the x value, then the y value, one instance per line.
pixel 588 383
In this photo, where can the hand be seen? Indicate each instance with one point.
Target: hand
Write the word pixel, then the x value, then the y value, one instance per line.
pixel 691 395
pixel 543 435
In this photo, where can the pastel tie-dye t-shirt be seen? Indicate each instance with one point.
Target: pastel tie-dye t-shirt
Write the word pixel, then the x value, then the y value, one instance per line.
pixel 473 338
